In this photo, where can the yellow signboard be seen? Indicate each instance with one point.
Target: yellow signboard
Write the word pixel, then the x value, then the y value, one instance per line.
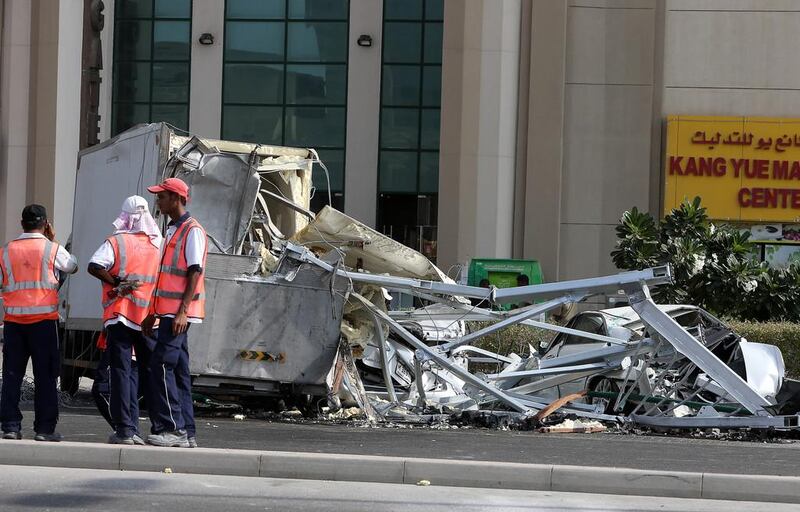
pixel 743 168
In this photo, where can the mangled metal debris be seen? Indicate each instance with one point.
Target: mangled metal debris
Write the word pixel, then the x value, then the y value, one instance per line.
pixel 298 303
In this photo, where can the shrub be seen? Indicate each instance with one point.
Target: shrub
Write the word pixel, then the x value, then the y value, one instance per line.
pixel 714 266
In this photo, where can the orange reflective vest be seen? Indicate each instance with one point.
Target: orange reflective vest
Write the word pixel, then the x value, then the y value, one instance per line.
pixel 172 276
pixel 135 259
pixel 30 287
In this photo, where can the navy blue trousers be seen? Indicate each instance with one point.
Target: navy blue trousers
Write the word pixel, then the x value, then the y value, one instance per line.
pixel 101 387
pixel 39 342
pixel 124 374
pixel 170 400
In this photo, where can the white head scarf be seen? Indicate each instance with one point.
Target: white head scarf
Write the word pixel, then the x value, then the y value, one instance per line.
pixel 135 218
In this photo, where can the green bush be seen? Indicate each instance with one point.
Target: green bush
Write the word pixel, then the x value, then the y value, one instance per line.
pixel 715 266
pixel 784 335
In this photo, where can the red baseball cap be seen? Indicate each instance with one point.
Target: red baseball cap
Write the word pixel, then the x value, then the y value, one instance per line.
pixel 176 185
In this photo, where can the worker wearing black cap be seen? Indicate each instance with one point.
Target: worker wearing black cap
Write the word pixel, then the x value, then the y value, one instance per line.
pixel 29 267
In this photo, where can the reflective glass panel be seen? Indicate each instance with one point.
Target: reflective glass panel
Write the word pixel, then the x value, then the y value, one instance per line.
pixel 133 8
pixel 315 126
pixel 399 128
pixel 402 9
pixel 176 115
pixel 434 10
pixel 431 86
pixel 252 124
pixel 254 41
pixel 171 82
pixel 173 9
pixel 402 43
pixel 309 84
pixel 130 114
pixel 318 9
pixel 433 43
pixel 428 173
pixel 132 81
pixel 317 42
pixel 171 40
pixel 398 171
pixel 400 85
pixel 253 83
pixel 334 161
pixel 133 40
pixel 255 9
pixel 429 135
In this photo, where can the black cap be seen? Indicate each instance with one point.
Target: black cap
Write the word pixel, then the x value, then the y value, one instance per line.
pixel 34 214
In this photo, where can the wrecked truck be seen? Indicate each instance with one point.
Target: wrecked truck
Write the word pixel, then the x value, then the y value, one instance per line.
pixel 263 334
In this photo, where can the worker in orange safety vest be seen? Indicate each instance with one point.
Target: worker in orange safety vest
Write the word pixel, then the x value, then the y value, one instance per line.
pixel 178 302
pixel 127 266
pixel 29 275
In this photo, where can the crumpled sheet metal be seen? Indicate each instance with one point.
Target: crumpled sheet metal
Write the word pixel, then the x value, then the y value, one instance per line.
pixel 378 253
pixel 288 176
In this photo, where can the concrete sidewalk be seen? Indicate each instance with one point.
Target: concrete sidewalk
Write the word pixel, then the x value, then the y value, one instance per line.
pixel 403 470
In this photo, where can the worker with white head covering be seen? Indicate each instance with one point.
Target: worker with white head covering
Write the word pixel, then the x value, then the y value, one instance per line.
pixel 127 266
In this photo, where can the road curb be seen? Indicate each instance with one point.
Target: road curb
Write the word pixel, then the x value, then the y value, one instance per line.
pixel 403 470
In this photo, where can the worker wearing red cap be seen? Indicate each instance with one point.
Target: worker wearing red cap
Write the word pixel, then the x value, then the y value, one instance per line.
pixel 178 302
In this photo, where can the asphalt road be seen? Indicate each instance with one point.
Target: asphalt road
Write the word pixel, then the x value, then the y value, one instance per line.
pixel 613 450
pixel 24 488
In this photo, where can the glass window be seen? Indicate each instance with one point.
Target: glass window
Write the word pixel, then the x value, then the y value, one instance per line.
pixel 285 79
pixel 334 161
pixel 315 126
pixel 429 129
pixel 316 84
pixel 132 81
pixel 132 40
pixel 431 86
pixel 253 83
pixel 255 9
pixel 317 10
pixel 398 171
pixel 171 82
pixel 433 43
pixel 176 115
pixel 399 128
pixel 400 85
pixel 317 42
pixel 402 42
pixel 134 8
pixel 129 114
pixel 402 9
pixel 434 10
pixel 173 9
pixel 171 40
pixel 253 124
pixel 151 69
pixel 428 173
pixel 410 122
pixel 254 41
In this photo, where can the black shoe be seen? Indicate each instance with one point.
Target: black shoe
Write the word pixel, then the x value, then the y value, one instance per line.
pixel 51 438
pixel 12 435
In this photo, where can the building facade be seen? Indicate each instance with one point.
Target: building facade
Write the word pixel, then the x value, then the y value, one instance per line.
pixel 463 128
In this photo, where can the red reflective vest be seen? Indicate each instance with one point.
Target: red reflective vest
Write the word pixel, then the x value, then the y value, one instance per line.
pixel 30 287
pixel 172 276
pixel 135 259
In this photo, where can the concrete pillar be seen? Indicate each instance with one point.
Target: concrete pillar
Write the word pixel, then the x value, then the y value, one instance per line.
pixel 14 100
pixel 480 73
pixel 54 114
pixel 205 95
pixel 363 112
pixel 545 134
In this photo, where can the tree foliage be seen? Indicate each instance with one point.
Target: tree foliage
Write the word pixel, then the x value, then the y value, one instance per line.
pixel 715 266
